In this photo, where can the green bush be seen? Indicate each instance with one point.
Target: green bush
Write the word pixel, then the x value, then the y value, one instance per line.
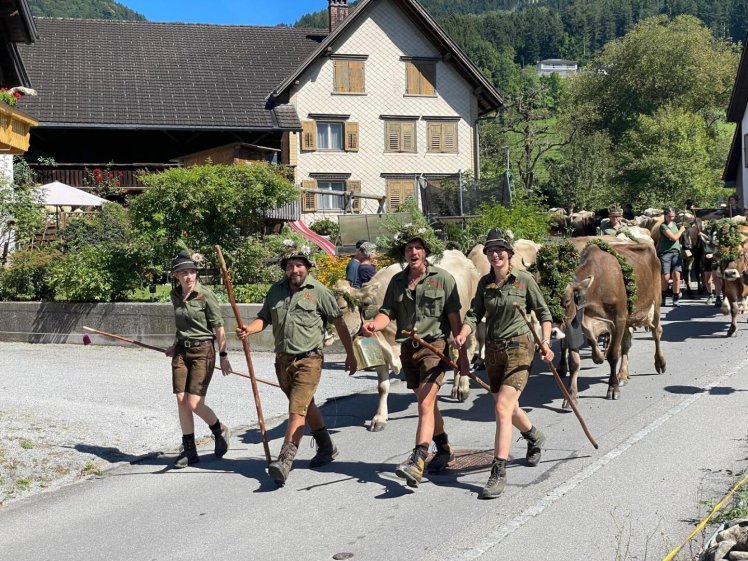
pixel 244 293
pixel 525 217
pixel 326 227
pixel 28 276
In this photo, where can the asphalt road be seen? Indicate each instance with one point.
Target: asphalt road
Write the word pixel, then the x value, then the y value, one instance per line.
pixel 671 443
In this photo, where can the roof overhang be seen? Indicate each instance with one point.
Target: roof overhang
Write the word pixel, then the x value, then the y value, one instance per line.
pixel 17 22
pixel 489 99
pixel 739 96
pixel 729 176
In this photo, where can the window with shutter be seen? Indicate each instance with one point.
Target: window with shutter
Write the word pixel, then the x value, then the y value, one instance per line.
pixel 308 200
pixel 349 76
pixel 400 136
pixel 351 137
pixel 354 187
pixel 420 77
pixel 308 136
pixel 442 137
pixel 399 191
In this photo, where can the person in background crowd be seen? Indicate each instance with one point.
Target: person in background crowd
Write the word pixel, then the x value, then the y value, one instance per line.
pixel 733 206
pixel 670 256
pixel 351 270
pixel 198 320
pixel 614 222
pixel 368 268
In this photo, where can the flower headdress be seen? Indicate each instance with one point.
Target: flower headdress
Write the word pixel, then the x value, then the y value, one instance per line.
pixel 290 250
pixel 394 246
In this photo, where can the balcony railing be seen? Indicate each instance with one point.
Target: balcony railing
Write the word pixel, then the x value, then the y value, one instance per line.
pixel 14 130
pixel 82 175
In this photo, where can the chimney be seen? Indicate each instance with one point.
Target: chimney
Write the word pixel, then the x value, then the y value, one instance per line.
pixel 338 10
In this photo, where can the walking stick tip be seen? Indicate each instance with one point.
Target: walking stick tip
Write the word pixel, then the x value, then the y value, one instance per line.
pixel 86 339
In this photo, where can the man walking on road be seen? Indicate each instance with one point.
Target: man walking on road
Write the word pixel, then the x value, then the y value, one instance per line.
pixel 299 308
pixel 422 297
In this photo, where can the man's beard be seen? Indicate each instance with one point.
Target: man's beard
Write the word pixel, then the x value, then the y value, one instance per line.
pixel 296 280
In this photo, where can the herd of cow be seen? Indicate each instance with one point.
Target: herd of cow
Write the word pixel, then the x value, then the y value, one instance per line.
pixel 594 302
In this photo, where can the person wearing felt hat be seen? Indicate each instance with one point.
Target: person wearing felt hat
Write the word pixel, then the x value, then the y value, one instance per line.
pixel 198 320
pixel 612 225
pixel 509 350
pixel 299 308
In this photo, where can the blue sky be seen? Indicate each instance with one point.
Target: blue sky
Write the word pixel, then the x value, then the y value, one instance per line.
pixel 239 12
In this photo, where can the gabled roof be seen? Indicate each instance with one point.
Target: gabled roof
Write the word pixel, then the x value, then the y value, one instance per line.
pixel 739 96
pixel 16 22
pixel 488 98
pixel 134 74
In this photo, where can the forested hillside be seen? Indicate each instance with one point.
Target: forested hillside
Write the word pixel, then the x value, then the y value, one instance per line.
pixel 87 9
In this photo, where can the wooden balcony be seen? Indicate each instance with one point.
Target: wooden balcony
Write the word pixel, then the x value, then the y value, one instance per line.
pixel 14 130
pixel 82 176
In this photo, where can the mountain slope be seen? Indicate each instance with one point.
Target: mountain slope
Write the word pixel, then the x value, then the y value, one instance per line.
pixel 84 9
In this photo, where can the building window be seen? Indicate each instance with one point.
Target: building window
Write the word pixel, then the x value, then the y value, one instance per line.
pixel 329 136
pixel 400 136
pixel 349 76
pixel 420 78
pixel 399 191
pixel 442 137
pixel 331 202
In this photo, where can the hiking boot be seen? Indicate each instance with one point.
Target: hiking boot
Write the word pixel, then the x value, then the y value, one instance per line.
pixel 326 450
pixel 496 481
pixel 221 435
pixel 280 468
pixel 444 454
pixel 710 300
pixel 718 302
pixel 535 440
pixel 412 469
pixel 188 455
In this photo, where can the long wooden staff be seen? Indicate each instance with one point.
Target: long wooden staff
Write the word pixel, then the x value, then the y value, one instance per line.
pixel 161 350
pixel 414 335
pixel 561 385
pixel 247 354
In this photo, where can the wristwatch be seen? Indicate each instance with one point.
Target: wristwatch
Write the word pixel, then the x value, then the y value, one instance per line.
pixel 546 341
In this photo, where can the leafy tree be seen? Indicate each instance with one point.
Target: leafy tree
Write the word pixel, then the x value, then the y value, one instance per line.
pixel 202 206
pixel 86 9
pixel 659 63
pixel 667 158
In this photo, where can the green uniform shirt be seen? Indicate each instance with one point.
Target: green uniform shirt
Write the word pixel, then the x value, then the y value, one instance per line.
pixel 196 317
pixel 503 320
pixel 299 321
pixel 435 297
pixel 665 243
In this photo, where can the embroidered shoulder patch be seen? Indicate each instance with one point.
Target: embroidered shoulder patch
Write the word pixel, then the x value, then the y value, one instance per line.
pixel 310 297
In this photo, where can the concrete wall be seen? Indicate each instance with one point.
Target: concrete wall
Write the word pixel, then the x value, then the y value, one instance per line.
pixel 385 35
pixel 53 322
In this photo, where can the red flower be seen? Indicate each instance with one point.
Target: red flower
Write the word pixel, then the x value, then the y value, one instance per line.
pixel 110 175
pixel 120 174
pixel 97 171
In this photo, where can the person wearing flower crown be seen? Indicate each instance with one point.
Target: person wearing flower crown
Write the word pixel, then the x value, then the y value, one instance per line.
pixel 198 323
pixel 425 298
pixel 509 350
pixel 299 308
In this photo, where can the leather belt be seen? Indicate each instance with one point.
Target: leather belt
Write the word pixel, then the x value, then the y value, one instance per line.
pixel 188 344
pixel 308 354
pixel 430 340
pixel 502 344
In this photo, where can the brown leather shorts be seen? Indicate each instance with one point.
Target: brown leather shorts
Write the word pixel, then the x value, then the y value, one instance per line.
pixel 508 362
pixel 421 365
pixel 192 368
pixel 298 378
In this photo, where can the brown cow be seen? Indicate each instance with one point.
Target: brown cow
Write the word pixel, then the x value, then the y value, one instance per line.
pixel 734 284
pixel 596 302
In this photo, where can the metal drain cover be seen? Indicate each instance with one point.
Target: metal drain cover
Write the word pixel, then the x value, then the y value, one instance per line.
pixel 470 460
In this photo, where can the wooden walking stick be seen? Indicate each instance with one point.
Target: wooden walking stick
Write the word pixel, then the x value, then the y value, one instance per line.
pixel 159 349
pixel 247 354
pixel 414 335
pixel 564 391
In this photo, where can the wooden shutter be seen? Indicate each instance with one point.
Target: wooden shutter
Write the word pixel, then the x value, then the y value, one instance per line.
pixel 356 79
pixel 434 137
pixel 392 136
pixel 449 137
pixel 341 76
pixel 412 79
pixel 354 187
pixel 408 143
pixel 351 136
pixel 428 78
pixel 308 135
pixel 308 200
pixel 399 191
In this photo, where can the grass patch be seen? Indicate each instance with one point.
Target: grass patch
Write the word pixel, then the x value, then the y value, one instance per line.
pixel 91 469
pixel 23 483
pixel 26 444
pixel 736 508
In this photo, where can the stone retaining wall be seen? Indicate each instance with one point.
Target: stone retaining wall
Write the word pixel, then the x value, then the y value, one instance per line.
pixel 152 323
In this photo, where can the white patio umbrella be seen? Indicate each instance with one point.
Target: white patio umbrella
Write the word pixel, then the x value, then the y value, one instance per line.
pixel 59 194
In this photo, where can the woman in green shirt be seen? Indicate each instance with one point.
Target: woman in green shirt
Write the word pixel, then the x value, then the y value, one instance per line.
pixel 509 351
pixel 198 320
